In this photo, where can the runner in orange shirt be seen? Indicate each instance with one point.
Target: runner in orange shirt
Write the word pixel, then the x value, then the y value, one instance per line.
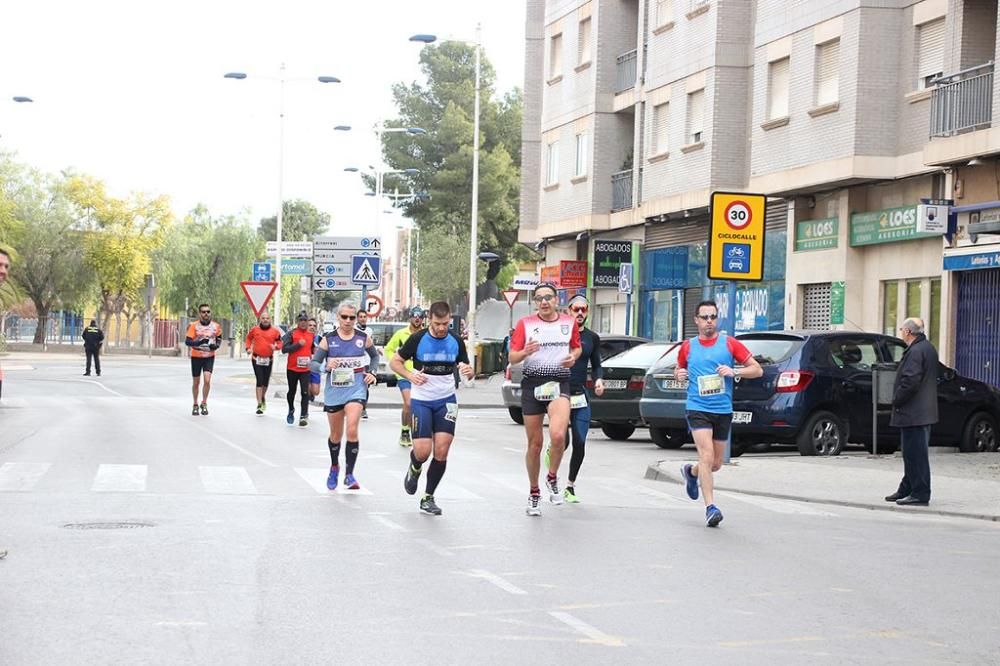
pixel 203 337
pixel 262 340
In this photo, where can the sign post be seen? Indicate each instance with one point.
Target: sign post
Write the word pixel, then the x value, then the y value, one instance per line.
pixel 625 286
pixel 510 295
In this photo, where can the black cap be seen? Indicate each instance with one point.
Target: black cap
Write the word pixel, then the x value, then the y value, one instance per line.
pixel 303 316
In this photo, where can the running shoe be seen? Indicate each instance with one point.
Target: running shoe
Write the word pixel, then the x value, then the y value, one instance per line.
pixel 405 439
pixel 411 480
pixel 331 480
pixel 690 481
pixel 364 413
pixel 194 410
pixel 263 404
pixel 260 410
pixel 570 495
pixel 713 516
pixel 303 421
pixel 290 419
pixel 204 409
pixel 351 483
pixel 533 505
pixel 554 495
pixel 428 505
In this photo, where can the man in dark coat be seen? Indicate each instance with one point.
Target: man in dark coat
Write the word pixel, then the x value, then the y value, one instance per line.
pixel 914 411
pixel 93 338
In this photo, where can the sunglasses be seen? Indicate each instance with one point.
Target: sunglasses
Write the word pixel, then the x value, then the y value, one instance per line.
pixel 205 311
pixel 348 317
pixel 544 299
pixel 579 310
pixel 707 317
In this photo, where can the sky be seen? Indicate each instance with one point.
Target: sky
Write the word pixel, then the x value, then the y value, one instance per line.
pixel 133 93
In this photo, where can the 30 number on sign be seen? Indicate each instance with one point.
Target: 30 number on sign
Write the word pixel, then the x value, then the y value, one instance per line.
pixel 738 215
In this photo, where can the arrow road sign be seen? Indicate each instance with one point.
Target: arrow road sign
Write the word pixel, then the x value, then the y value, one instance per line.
pixel 258 294
pixel 332 284
pixel 328 270
pixel 367 270
pixel 347 243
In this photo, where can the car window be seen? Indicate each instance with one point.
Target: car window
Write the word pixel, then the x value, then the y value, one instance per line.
pixel 896 350
pixel 668 360
pixel 381 332
pixel 853 354
pixel 611 348
pixel 640 356
pixel 768 351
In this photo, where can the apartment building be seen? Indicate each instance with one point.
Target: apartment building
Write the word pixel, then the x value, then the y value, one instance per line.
pixel 856 117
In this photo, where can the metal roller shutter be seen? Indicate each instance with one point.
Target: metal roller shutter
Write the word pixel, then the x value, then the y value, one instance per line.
pixel 692 297
pixel 676 232
pixel 978 325
pixel 816 306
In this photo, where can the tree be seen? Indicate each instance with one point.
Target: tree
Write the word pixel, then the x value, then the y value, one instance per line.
pixel 10 182
pixel 51 268
pixel 301 221
pixel 444 106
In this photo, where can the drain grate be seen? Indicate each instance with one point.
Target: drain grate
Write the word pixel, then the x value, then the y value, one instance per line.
pixel 121 525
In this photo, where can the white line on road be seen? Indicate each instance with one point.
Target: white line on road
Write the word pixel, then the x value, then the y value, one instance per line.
pixel 120 478
pixel 21 476
pixel 316 478
pixel 388 523
pixel 232 445
pixel 226 480
pixel 593 633
pixel 512 449
pixel 434 548
pixel 504 585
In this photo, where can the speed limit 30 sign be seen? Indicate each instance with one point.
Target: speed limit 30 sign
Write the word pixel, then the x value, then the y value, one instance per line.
pixel 736 239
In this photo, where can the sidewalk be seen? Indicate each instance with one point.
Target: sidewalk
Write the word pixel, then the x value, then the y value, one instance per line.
pixel 963 484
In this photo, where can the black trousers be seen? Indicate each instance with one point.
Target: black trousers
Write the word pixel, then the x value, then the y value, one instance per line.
pixel 300 380
pixel 916 463
pixel 95 354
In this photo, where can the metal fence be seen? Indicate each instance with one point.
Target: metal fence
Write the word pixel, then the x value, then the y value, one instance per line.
pixel 621 190
pixel 626 71
pixel 963 101
pixel 66 328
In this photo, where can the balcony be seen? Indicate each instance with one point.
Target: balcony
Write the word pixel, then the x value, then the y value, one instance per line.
pixel 626 71
pixel 962 102
pixel 621 190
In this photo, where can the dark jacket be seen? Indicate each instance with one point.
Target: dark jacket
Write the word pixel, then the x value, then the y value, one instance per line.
pixel 92 337
pixel 914 395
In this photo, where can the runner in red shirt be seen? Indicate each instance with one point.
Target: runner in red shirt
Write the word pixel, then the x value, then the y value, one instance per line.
pixel 262 340
pixel 298 343
pixel 548 343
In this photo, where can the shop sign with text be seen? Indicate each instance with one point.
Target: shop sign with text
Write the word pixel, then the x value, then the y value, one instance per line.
pixel 816 234
pixel 885 226
pixel 608 257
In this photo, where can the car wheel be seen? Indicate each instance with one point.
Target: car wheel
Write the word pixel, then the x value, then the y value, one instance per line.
pixel 516 414
pixel 979 435
pixel 619 431
pixel 666 439
pixel 824 434
pixel 737 448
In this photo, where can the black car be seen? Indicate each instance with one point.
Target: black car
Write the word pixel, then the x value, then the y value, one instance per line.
pixel 617 411
pixel 816 393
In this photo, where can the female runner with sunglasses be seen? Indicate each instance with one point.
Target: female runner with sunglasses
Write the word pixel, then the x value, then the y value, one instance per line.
pixel 349 360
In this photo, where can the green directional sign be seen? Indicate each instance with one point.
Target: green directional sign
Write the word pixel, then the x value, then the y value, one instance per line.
pixel 817 234
pixel 292 266
pixel 886 226
pixel 838 294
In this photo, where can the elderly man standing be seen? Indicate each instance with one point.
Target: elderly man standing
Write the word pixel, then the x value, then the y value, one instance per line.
pixel 914 411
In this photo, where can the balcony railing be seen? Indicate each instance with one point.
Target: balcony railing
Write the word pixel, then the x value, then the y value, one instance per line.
pixel 621 190
pixel 963 101
pixel 626 71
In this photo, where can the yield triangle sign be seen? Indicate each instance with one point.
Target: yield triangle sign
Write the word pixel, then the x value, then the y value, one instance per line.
pixel 258 294
pixel 510 295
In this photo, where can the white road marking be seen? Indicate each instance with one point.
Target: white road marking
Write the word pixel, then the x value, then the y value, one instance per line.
pixel 434 548
pixel 504 585
pixel 779 505
pixel 513 450
pixel 446 490
pixel 388 523
pixel 190 421
pixel 120 478
pixel 316 478
pixel 593 633
pixel 660 495
pixel 227 480
pixel 21 476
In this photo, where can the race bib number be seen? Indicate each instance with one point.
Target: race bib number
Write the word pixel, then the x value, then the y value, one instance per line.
pixel 263 360
pixel 342 377
pixel 710 385
pixel 578 401
pixel 450 411
pixel 302 362
pixel 547 391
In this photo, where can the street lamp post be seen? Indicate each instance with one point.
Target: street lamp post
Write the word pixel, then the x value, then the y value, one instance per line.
pixel 239 76
pixel 474 223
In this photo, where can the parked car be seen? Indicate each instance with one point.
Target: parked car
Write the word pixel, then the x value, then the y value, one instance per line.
pixel 511 387
pixel 381 332
pixel 617 411
pixel 816 394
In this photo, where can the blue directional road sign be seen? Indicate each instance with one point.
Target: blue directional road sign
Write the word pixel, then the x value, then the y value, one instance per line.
pixel 262 272
pixel 366 270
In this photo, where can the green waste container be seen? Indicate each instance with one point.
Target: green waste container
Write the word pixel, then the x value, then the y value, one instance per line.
pixel 490 359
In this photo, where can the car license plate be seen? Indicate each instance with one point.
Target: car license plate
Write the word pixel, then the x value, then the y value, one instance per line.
pixel 615 384
pixel 669 384
pixel 742 417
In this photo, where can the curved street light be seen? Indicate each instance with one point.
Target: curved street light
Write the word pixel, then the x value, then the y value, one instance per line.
pixel 21 99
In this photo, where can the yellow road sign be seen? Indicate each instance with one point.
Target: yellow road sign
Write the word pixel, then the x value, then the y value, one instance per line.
pixel 736 240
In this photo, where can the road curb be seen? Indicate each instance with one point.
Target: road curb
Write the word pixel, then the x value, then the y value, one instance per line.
pixel 654 473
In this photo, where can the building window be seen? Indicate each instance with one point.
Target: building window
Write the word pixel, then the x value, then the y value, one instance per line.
pixel 664 12
pixel 604 319
pixel 583 42
pixel 555 56
pixel 890 307
pixel 930 52
pixel 934 317
pixel 828 73
pixel 777 89
pixel 552 163
pixel 661 128
pixel 914 289
pixel 581 155
pixel 695 116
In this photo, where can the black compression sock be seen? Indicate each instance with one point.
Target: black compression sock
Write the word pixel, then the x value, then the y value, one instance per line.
pixel 434 473
pixel 352 456
pixel 334 452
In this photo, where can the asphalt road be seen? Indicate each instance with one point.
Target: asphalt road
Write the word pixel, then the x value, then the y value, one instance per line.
pixel 140 534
